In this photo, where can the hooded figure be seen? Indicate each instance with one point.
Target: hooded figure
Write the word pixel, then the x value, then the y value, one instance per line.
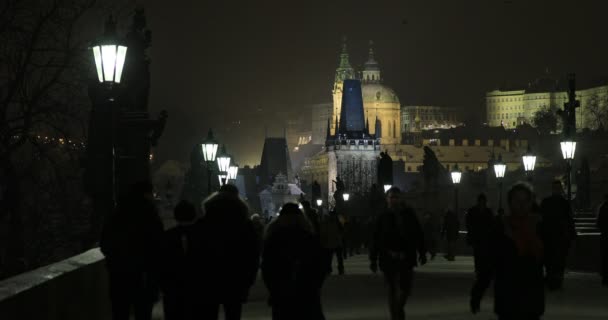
pixel 130 241
pixel 516 263
pixel 179 264
pixel 228 254
pixel 292 267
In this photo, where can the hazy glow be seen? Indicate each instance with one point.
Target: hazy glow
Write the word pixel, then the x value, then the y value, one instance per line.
pixel 568 149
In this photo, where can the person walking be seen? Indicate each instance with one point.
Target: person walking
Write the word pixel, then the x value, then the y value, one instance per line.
pixel 516 264
pixel 332 240
pixel 432 231
pixel 602 225
pixel 292 267
pixel 397 247
pixel 314 219
pixel 228 254
pixel 451 228
pixel 558 232
pixel 480 221
pixel 179 265
pixel 130 241
pixel 258 226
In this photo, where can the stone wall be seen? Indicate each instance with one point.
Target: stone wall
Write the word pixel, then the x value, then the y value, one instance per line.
pixel 75 288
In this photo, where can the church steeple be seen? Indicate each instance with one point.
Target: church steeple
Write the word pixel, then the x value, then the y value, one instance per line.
pixel 371 69
pixel 345 70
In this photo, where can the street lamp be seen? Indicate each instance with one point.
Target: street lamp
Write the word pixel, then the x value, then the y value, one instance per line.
pixel 233 172
pixel 568 149
pixel 109 56
pixel 387 187
pixel 529 160
pixel 345 196
pixel 223 164
pixel 499 170
pixel 222 178
pixel 319 202
pixel 456 176
pixel 209 147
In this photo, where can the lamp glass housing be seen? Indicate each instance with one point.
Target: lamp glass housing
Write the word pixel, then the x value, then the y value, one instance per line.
pixel 456 176
pixel 232 172
pixel 222 178
pixel 529 162
pixel 319 202
pixel 499 170
pixel 387 187
pixel 223 163
pixel 109 62
pixel 568 149
pixel 345 196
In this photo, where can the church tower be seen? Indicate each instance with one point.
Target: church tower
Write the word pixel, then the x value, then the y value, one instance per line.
pixel 371 69
pixel 344 72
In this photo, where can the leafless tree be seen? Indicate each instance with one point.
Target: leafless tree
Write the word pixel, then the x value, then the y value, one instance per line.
pixel 43 109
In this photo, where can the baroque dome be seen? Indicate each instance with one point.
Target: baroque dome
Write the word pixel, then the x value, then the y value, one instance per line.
pixel 377 92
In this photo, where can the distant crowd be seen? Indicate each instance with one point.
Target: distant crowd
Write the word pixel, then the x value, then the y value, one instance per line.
pixel 213 259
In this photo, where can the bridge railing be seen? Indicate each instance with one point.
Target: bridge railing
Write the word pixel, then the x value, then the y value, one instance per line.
pixel 75 288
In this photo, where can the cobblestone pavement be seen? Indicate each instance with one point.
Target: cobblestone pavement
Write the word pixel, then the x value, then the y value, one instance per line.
pixel 440 292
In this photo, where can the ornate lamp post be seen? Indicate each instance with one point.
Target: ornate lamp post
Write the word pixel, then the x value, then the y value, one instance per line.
pixel 456 175
pixel 499 171
pixel 209 147
pixel 568 143
pixel 223 164
pixel 529 160
pixel 109 55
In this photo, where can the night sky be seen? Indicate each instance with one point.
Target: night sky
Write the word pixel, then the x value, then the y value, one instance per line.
pixel 215 63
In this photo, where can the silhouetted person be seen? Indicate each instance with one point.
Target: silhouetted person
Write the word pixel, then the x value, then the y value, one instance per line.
pixel 131 242
pixel 179 256
pixel 480 222
pixel 602 224
pixel 558 232
pixel 292 267
pixel 397 247
pixel 517 262
pixel 451 227
pixel 332 240
pixel 432 231
pixel 258 226
pixel 229 253
pixel 313 217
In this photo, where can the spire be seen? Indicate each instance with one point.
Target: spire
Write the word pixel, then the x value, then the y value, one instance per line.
pixel 371 69
pixel 344 70
pixel 328 129
pixel 367 126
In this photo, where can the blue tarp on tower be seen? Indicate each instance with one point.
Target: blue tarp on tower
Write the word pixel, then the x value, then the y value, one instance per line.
pixel 352 120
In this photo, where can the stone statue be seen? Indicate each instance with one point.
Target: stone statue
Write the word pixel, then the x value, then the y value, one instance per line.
pixel 430 168
pixel 385 169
